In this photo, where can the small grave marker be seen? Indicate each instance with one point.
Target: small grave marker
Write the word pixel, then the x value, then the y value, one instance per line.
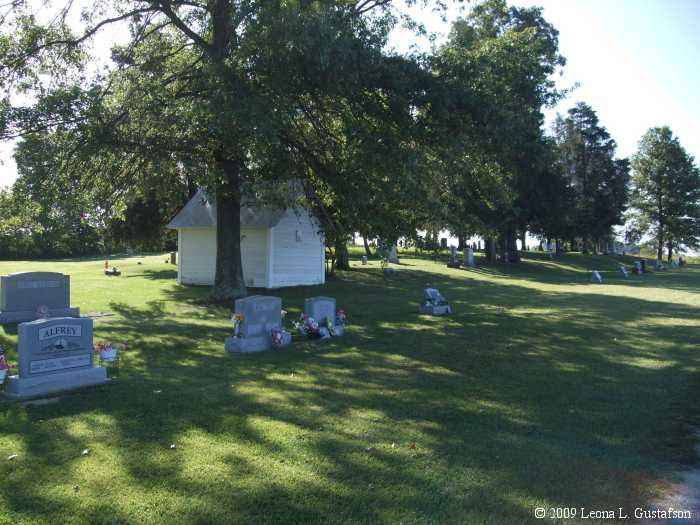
pixel 434 303
pixel 323 310
pixel 596 277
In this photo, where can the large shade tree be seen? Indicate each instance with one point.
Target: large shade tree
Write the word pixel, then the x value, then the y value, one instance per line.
pixel 222 85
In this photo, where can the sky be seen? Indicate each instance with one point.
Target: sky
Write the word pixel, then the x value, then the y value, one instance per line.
pixel 636 63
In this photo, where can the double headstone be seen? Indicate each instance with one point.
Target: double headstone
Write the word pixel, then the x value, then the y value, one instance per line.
pixel 28 296
pixel 434 303
pixel 323 310
pixel 261 314
pixel 54 355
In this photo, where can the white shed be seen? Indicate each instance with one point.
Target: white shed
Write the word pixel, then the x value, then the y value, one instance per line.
pixel 278 247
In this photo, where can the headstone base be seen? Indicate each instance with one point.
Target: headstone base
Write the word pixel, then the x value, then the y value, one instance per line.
pixel 26 315
pixel 28 387
pixel 435 310
pixel 243 345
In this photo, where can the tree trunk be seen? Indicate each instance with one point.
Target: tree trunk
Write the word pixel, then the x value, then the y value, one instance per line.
pixel 523 240
pixel 342 257
pixel 490 250
pixel 228 280
pixel 669 245
pixel 368 252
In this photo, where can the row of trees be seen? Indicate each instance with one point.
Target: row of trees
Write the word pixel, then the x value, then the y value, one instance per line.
pixel 248 99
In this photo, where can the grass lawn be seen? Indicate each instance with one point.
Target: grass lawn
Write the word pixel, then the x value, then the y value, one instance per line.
pixel 542 390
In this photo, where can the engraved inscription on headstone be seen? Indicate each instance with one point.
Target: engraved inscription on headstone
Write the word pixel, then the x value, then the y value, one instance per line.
pixel 54 355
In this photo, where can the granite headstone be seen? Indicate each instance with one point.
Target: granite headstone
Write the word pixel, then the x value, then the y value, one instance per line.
pixel 261 314
pixel 323 309
pixel 54 355
pixel 23 295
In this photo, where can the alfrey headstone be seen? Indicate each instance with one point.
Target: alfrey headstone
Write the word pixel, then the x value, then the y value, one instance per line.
pixel 434 303
pixel 54 355
pixel 393 255
pixel 260 315
pixel 23 295
pixel 323 310
pixel 469 257
pixel 596 277
pixel 453 262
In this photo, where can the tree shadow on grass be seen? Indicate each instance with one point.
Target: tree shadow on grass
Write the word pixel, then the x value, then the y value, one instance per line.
pixel 521 397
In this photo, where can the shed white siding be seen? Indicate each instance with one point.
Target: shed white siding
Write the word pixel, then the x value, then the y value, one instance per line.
pixel 297 251
pixel 197 256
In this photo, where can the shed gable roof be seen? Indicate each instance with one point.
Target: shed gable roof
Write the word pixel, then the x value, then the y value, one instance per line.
pixel 200 212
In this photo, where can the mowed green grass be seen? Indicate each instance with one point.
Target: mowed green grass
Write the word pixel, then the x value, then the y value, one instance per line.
pixel 542 390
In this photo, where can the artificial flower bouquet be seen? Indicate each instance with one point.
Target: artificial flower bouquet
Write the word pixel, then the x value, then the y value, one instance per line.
pixel 109 351
pixel 237 320
pixel 5 366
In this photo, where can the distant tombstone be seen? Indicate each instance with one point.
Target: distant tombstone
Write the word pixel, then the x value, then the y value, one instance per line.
pixel 623 271
pixel 173 257
pixel 638 267
pixel 659 266
pixel 469 257
pixel 393 255
pixel 261 314
pixel 323 310
pixel 596 277
pixel 23 294
pixel 643 262
pixel 674 264
pixel 453 262
pixel 54 355
pixel 443 242
pixel 364 260
pixel 434 303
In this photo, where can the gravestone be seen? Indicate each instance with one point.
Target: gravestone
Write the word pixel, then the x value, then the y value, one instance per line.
pixel 623 271
pixel 323 309
pixel 393 255
pixel 54 355
pixel 469 257
pixel 261 314
pixel 23 295
pixel 434 303
pixel 364 260
pixel 173 257
pixel 638 267
pixel 643 262
pixel 596 277
pixel 453 262
pixel 674 264
pixel 659 266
